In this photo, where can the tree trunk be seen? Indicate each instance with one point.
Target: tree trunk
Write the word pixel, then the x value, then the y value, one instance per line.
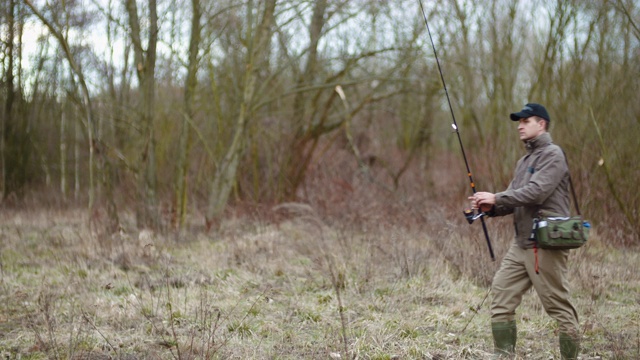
pixel 147 212
pixel 304 142
pixel 182 166
pixel 8 105
pixel 63 154
pixel 226 172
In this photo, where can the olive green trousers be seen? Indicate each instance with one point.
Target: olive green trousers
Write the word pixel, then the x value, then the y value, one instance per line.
pixel 517 274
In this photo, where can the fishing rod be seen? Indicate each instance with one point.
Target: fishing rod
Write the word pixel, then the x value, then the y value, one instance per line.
pixel 469 214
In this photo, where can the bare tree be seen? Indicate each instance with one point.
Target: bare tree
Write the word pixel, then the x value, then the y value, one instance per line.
pixel 16 148
pixel 95 143
pixel 305 137
pixel 628 9
pixel 315 105
pixel 147 211
pixel 8 118
pixel 257 46
pixel 184 142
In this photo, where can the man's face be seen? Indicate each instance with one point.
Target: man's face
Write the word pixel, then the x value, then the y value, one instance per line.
pixel 530 127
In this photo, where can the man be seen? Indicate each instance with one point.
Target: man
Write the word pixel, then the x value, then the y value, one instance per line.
pixel 540 182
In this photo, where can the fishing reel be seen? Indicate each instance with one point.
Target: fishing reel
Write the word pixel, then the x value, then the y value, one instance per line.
pixel 472 216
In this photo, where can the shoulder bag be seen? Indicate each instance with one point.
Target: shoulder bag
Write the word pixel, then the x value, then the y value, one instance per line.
pixel 558 232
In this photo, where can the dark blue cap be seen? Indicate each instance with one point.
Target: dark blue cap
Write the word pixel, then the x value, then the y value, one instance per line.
pixel 531 109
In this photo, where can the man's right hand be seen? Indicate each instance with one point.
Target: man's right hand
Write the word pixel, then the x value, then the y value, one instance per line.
pixel 483 201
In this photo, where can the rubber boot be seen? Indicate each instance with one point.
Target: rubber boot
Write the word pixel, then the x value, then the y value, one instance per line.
pixel 504 339
pixel 569 347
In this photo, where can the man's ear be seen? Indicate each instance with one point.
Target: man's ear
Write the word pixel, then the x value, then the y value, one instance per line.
pixel 546 125
pixel 542 122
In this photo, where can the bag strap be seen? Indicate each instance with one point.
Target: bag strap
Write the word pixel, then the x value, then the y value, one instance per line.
pixel 573 190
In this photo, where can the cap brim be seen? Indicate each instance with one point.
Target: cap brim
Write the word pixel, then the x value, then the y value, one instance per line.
pixel 519 115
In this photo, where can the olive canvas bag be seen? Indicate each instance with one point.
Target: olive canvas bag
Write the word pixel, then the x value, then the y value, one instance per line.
pixel 560 232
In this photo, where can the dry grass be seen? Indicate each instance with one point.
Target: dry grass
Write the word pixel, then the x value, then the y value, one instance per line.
pixel 287 289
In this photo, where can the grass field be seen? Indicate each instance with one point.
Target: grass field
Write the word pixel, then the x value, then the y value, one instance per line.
pixel 291 288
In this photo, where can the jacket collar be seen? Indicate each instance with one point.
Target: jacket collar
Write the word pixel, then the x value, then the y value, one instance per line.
pixel 538 142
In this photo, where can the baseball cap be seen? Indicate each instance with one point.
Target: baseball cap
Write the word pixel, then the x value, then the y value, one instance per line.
pixel 531 109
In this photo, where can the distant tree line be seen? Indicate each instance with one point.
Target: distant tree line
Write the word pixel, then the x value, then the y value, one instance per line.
pixel 167 105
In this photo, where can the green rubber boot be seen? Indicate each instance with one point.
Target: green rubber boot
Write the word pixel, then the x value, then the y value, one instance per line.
pixel 504 339
pixel 569 347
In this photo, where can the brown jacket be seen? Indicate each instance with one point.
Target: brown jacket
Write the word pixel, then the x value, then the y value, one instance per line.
pixel 541 182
